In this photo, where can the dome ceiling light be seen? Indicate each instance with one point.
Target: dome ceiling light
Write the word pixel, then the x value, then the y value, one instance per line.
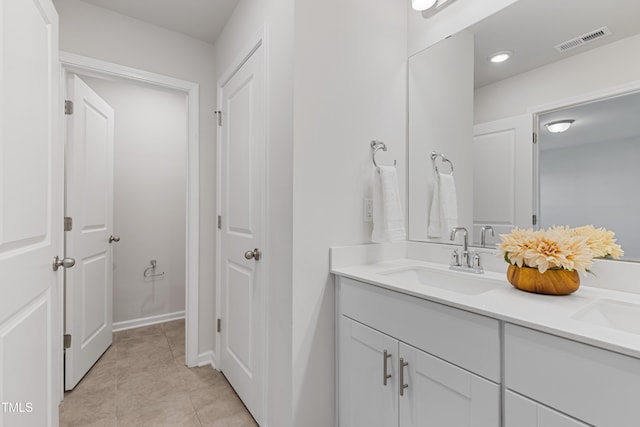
pixel 559 126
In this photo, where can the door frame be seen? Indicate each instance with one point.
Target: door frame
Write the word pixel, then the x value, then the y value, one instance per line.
pixel 568 102
pixel 258 40
pixel 83 65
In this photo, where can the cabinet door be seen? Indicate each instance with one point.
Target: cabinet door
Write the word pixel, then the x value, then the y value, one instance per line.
pixel 364 399
pixel 441 394
pixel 522 412
pixel 597 386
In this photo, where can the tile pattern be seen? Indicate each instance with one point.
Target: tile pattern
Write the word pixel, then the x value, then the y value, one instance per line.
pixel 141 380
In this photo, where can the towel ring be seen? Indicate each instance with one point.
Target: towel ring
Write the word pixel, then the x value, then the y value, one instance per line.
pixel 435 155
pixel 375 146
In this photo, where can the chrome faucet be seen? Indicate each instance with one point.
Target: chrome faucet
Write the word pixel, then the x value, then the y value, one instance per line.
pixel 483 234
pixel 465 247
pixel 465 261
pixel 465 235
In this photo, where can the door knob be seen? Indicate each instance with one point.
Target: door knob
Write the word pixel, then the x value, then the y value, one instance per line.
pixel 113 238
pixel 65 262
pixel 254 254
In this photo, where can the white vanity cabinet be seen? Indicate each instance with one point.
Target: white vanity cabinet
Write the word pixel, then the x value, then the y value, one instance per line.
pixel 571 383
pixel 404 361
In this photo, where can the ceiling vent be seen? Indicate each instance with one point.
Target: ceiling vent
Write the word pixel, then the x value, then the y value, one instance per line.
pixel 583 39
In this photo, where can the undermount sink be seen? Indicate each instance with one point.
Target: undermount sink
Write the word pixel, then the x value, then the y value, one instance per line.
pixel 612 314
pixel 462 283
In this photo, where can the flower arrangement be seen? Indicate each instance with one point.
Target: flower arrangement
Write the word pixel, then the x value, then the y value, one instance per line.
pixel 565 248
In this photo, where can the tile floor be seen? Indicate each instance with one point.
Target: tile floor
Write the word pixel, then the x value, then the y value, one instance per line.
pixel 142 381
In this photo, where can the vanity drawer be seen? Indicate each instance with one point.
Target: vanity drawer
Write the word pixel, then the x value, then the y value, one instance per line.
pixel 522 412
pixel 465 339
pixel 589 383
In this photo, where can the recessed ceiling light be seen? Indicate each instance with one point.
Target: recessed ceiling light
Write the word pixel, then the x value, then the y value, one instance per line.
pixel 559 126
pixel 421 5
pixel 500 56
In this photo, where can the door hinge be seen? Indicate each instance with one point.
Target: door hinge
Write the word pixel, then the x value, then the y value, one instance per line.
pixel 67 341
pixel 219 222
pixel 535 219
pixel 68 107
pixel 219 114
pixel 219 325
pixel 535 138
pixel 68 223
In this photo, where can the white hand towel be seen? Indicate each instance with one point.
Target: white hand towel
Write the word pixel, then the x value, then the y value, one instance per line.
pixel 435 225
pixel 388 218
pixel 444 206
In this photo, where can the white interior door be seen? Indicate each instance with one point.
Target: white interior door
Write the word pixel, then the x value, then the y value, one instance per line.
pixel 30 214
pixel 502 176
pixel 242 207
pixel 89 202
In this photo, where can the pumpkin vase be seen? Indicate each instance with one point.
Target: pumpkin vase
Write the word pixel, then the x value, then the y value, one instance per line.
pixel 551 282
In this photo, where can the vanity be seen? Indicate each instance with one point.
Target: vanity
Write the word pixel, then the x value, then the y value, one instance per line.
pixel 419 344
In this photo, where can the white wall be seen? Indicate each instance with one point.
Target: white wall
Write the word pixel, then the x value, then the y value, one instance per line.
pixel 572 194
pixel 248 20
pixel 350 88
pixel 149 198
pixel 98 33
pixel 610 65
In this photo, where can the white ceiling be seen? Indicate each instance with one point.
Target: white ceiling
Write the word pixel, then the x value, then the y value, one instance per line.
pixel 201 19
pixel 531 29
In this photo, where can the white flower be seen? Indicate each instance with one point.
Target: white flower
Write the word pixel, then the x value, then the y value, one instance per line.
pixel 601 241
pixel 555 248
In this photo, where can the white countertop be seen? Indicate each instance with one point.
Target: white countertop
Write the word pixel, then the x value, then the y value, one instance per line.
pixel 551 314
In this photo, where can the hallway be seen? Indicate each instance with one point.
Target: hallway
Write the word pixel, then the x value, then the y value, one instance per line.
pixel 142 381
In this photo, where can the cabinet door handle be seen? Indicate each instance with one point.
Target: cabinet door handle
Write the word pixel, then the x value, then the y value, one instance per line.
pixel 385 374
pixel 402 384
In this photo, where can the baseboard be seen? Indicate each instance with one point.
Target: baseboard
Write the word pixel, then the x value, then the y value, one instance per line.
pixel 146 321
pixel 207 358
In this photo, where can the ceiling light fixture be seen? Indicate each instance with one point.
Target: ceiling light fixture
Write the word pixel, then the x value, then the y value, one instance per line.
pixel 428 8
pixel 499 57
pixel 559 126
pixel 421 5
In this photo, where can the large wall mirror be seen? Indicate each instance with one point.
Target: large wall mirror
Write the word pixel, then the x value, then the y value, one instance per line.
pixel 570 60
